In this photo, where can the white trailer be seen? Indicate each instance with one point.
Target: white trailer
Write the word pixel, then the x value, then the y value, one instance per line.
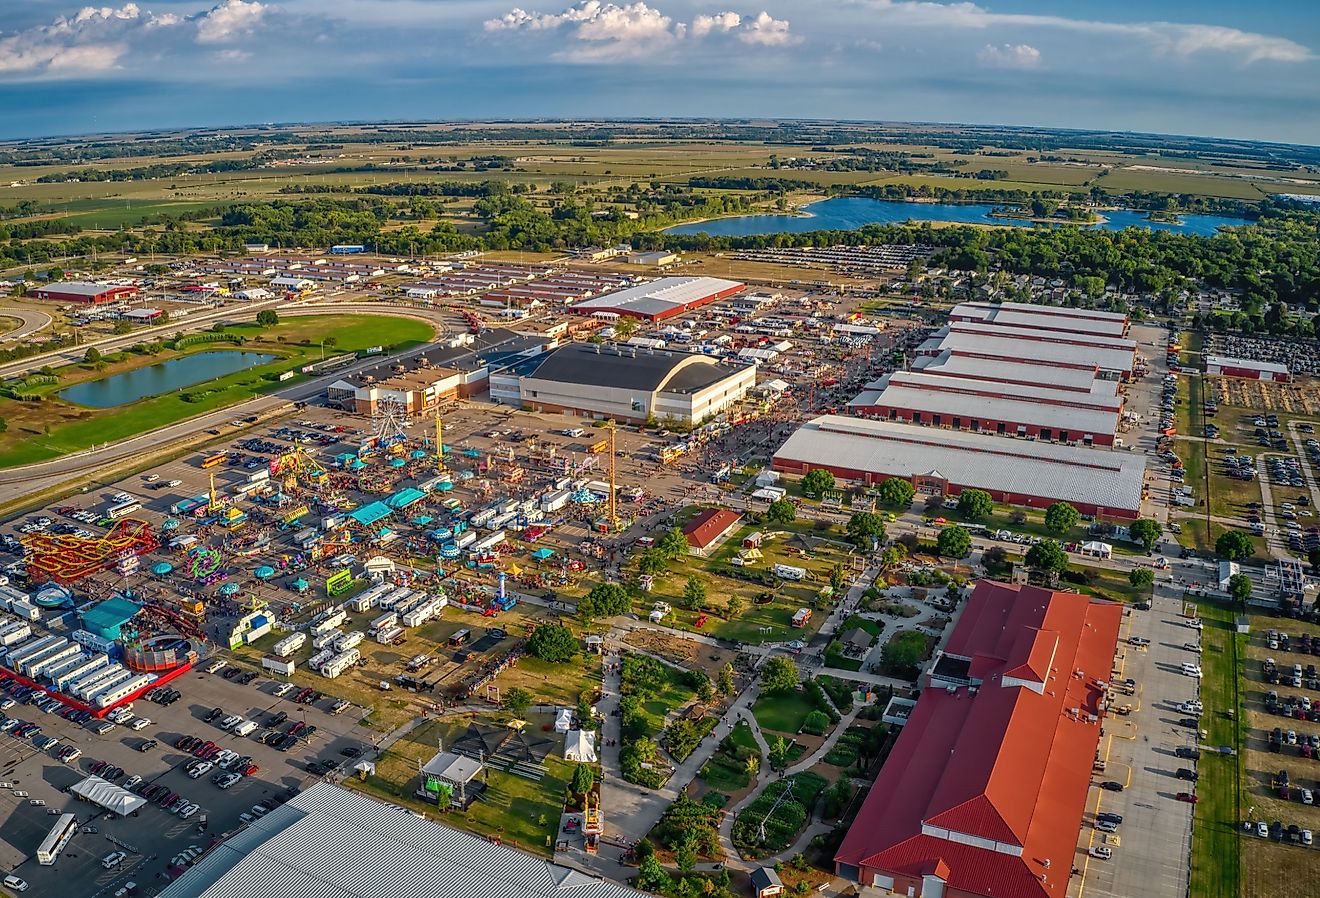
pixel 789 572
pixel 49 651
pixel 290 644
pixel 37 669
pixel 340 663
pixel 488 542
pixel 359 603
pixel 31 647
pixel 331 621
pixel 14 633
pixel 385 621
pixel 320 658
pixel 325 639
pixel 418 616
pixel 284 666
pixel 26 610
pixel 90 666
pixel 259 476
pixel 53 674
pixel 102 681
pixel 73 684
pixel 348 640
pixel 389 635
pixel 465 540
pixel 121 691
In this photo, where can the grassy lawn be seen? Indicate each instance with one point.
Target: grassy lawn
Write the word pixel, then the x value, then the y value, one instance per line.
pixel 553 684
pixel 1110 584
pixel 782 713
pixel 39 431
pixel 518 810
pixel 1216 868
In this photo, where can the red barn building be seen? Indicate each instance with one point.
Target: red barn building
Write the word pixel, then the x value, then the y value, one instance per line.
pixel 984 791
pixel 1247 368
pixel 709 528
pixel 82 292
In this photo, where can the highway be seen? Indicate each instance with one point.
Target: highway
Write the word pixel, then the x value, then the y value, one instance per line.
pixel 15 483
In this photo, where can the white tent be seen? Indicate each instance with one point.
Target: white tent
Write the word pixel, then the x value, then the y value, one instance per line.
pixel 563 720
pixel 580 745
pixel 1097 549
pixel 108 795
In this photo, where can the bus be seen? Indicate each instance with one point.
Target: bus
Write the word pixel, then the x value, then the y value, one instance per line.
pixel 212 460
pixel 123 509
pixel 56 839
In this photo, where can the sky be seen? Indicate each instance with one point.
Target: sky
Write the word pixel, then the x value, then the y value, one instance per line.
pixel 1221 68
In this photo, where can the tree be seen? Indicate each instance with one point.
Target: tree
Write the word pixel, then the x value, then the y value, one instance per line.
pixel 1234 545
pixel 92 355
pixel 651 877
pixel 781 511
pixel 625 327
pixel 516 701
pixel 897 492
pixel 653 561
pixel 904 651
pixel 1141 577
pixel 953 542
pixel 694 593
pixel 732 608
pixel 444 795
pixel 866 528
pixel 268 318
pixel 1314 558
pixel 1146 532
pixel 1047 556
pixel 1061 517
pixel 584 778
pixel 975 505
pixel 779 675
pixel 685 857
pixel 552 642
pixel 817 482
pixel 778 752
pixel 704 688
pixel 608 599
pixel 673 545
pixel 726 679
pixel 1239 587
pixel 837 579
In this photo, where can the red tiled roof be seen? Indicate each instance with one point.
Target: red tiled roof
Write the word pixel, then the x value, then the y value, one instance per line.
pixel 707 526
pixel 1000 764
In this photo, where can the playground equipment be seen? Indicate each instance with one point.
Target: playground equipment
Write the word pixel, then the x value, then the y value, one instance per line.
pixel 67 559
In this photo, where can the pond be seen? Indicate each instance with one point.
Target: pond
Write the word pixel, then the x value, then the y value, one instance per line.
pixel 166 377
pixel 848 213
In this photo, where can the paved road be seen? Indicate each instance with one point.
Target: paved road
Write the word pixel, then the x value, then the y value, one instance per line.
pixel 30 320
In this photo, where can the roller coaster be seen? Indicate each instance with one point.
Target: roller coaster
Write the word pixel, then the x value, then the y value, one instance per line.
pixel 68 559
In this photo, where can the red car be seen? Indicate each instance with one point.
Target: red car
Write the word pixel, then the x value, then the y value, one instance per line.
pixel 1188 797
pixel 250 769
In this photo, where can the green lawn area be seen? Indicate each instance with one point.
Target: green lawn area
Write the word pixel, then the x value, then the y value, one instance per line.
pixel 783 713
pixel 742 736
pixel 512 807
pixel 1110 584
pixel 1216 868
pixel 72 428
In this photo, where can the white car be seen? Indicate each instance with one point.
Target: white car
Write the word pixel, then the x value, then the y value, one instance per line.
pixel 1104 852
pixel 114 859
pixel 13 883
pixel 151 478
pixel 188 810
pixel 140 724
pixel 175 483
pixel 1192 670
pixel 201 770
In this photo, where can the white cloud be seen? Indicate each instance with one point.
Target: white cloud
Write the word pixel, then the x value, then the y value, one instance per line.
pixel 92 40
pixel 1173 38
pixel 767 31
pixel 720 21
pixel 1009 56
pixel 608 31
pixel 228 21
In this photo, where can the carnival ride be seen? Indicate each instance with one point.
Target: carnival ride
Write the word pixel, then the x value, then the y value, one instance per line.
pixel 67 559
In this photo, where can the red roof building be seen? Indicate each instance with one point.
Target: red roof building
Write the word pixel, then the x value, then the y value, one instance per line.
pixel 78 291
pixel 708 528
pixel 984 791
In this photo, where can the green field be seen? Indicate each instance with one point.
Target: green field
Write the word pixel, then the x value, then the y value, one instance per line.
pixel 783 713
pixel 52 427
pixel 1216 869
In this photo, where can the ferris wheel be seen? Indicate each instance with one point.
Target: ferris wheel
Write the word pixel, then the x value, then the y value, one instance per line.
pixel 389 423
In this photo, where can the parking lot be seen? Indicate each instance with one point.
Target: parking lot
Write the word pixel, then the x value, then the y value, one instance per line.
pixel 1140 752
pixel 153 837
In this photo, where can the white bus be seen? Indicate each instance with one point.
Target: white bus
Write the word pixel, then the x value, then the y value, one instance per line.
pixel 123 509
pixel 56 839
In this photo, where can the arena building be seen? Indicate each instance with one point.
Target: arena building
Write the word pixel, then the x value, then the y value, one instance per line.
pixel 945 462
pixel 1113 357
pixel 1046 318
pixel 1036 411
pixel 82 292
pixel 627 383
pixel 660 299
pixel 984 792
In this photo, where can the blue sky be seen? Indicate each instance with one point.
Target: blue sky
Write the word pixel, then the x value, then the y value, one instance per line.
pixel 1212 67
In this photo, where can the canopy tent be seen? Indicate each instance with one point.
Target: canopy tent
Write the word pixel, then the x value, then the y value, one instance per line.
pixel 170 524
pixel 397 463
pixel 1097 549
pixel 444 486
pixel 418 453
pixel 108 795
pixel 543 554
pixel 580 745
pixel 160 569
pixel 370 514
pixel 421 520
pixel 405 497
pixel 265 572
pixel 563 720
pixel 299 585
pixel 229 589
pixel 514 571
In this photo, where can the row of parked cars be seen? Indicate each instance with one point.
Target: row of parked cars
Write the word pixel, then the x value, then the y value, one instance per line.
pixel 208 752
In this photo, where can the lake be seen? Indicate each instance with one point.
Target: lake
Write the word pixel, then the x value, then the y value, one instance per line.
pixel 155 380
pixel 847 213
